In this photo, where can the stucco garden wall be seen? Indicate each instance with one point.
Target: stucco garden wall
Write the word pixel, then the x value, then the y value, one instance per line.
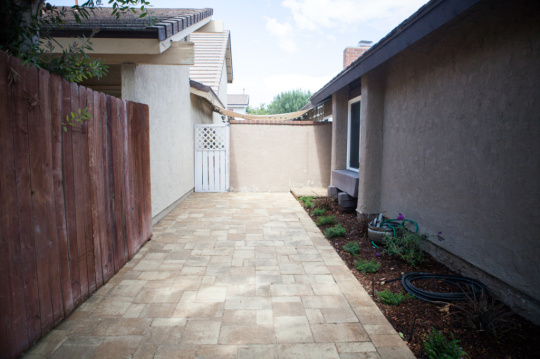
pixel 461 149
pixel 173 114
pixel 276 158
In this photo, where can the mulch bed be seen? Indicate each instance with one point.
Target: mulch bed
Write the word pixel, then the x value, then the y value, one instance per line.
pixel 521 339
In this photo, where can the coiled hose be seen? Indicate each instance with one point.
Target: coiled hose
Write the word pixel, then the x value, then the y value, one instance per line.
pixel 392 224
pixel 475 286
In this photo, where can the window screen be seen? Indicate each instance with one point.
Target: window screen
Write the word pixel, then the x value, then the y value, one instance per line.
pixel 354 136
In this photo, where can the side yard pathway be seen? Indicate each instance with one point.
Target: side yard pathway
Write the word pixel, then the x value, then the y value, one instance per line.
pixel 229 275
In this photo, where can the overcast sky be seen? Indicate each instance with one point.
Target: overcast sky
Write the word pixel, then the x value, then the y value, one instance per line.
pixel 279 45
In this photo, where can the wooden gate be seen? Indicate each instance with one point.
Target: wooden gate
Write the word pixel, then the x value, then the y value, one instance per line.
pixel 212 158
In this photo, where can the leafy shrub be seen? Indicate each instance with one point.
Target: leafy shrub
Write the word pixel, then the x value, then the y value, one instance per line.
pixel 318 211
pixel 351 247
pixel 482 314
pixel 436 346
pixel 325 202
pixel 367 266
pixel 323 221
pixel 337 231
pixel 306 201
pixel 408 248
pixel 391 298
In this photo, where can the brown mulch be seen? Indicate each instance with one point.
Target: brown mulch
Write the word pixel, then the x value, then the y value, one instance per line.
pixel 518 338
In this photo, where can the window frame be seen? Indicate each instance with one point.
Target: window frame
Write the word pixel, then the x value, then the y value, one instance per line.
pixel 351 101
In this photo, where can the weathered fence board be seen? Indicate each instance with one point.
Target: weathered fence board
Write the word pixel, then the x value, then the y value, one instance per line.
pixel 13 324
pixel 74 204
pixel 24 200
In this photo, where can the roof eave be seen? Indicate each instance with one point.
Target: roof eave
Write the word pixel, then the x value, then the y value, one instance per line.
pixel 164 29
pixel 427 19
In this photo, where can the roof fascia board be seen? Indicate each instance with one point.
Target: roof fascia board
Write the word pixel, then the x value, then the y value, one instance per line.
pixel 179 36
pixel 102 45
pixel 228 59
pixel 433 18
pixel 181 53
pixel 205 92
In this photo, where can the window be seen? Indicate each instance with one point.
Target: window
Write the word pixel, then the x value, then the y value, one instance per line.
pixel 353 135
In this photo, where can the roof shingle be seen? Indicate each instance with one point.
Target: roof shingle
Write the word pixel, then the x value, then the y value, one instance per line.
pixel 168 22
pixel 210 53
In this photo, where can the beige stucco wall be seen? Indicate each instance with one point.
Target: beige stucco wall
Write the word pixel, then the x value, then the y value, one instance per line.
pixel 461 148
pixel 276 158
pixel 173 114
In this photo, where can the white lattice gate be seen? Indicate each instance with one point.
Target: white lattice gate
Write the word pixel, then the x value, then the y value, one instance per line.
pixel 212 158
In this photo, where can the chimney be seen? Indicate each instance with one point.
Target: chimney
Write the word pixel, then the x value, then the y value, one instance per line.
pixel 352 53
pixel 243 91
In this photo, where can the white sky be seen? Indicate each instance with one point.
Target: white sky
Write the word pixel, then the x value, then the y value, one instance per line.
pixel 280 45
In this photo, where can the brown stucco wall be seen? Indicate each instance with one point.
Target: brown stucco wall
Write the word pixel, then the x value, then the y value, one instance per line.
pixel 461 148
pixel 276 158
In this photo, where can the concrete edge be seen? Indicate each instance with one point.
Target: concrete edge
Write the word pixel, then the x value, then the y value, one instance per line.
pixel 157 218
pixel 520 302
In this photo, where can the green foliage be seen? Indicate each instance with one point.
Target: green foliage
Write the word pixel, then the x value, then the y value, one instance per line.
pixel 323 221
pixel 306 201
pixel 24 34
pixel 391 298
pixel 318 211
pixel 260 111
pixel 408 248
pixel 352 247
pixel 436 346
pixel 289 101
pixel 82 115
pixel 367 266
pixel 337 231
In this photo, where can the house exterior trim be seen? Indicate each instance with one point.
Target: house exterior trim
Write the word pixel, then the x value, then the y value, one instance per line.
pixel 427 19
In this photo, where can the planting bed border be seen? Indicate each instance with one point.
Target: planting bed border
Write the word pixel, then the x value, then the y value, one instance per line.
pixel 520 337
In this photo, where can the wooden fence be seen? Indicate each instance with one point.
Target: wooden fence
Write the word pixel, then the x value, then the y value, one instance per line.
pixel 75 204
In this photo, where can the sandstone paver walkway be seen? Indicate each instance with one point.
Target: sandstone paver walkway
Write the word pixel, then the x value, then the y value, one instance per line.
pixel 229 275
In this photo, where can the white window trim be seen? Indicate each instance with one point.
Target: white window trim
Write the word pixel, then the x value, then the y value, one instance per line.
pixel 328 117
pixel 351 101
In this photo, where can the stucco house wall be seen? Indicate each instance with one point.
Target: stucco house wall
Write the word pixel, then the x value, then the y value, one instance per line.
pixel 172 120
pixel 276 158
pixel 461 149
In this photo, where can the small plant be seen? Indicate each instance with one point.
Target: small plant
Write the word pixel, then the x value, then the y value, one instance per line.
pixel 318 211
pixel 436 346
pixel 391 298
pixel 323 221
pixel 325 202
pixel 337 231
pixel 352 248
pixel 407 248
pixel 483 314
pixel 306 201
pixel 83 115
pixel 367 266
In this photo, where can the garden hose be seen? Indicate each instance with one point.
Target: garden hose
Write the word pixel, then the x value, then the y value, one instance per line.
pixel 389 223
pixel 477 287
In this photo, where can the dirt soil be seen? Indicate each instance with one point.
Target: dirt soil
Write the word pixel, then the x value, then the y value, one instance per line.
pixel 519 338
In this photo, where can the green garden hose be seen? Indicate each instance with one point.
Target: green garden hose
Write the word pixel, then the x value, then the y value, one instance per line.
pixel 401 225
pixel 388 221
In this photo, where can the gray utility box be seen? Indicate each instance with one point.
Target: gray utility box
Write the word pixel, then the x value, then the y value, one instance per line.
pixel 346 181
